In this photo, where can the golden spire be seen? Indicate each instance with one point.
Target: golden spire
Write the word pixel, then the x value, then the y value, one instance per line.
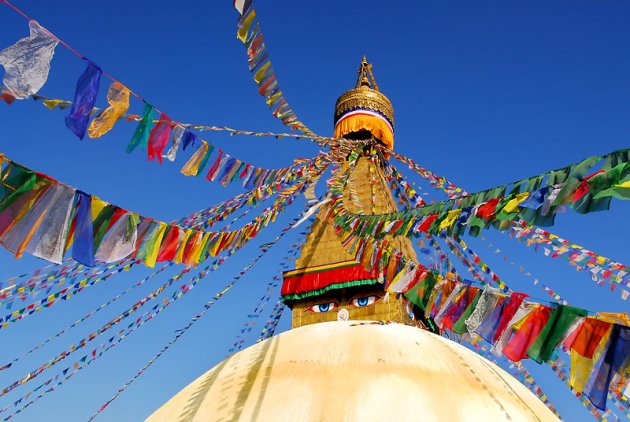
pixel 364 71
pixel 365 96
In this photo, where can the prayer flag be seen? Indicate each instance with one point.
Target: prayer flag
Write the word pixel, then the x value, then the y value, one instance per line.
pixel 27 62
pixel 158 138
pixel 118 99
pixel 559 321
pixel 84 99
pixel 176 140
pixel 140 137
pixel 612 370
pixel 83 248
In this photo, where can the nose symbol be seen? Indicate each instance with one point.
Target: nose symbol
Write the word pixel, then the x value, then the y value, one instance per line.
pixel 342 315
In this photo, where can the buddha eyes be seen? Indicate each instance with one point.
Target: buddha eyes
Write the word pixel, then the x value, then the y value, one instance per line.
pixel 361 302
pixel 322 307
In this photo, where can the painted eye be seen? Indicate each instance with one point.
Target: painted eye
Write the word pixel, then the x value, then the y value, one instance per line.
pixel 322 307
pixel 362 302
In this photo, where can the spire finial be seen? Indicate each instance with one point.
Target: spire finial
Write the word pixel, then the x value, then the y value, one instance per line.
pixel 366 77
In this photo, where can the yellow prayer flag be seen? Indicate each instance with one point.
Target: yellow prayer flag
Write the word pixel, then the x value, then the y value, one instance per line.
pixel 51 104
pixel 512 205
pixel 247 23
pixel 180 251
pixel 191 168
pixel 151 258
pixel 450 219
pixel 261 72
pixel 271 100
pixel 118 99
pixel 97 206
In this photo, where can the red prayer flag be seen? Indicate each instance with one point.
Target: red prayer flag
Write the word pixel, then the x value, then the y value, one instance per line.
pixel 168 249
pixel 488 209
pixel 158 139
pixel 508 312
pixel 516 348
pixel 583 188
pixel 588 336
pixel 426 223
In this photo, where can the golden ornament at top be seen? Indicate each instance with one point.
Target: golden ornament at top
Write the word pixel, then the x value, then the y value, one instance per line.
pixel 365 95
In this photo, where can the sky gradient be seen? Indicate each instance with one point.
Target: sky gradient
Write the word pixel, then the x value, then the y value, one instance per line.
pixel 484 93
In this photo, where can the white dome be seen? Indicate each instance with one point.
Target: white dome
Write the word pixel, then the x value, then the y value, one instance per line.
pixel 350 371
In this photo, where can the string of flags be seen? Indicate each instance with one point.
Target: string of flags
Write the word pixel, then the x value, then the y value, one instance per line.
pixel 85 317
pixel 249 33
pixel 325 141
pixel 601 268
pixel 27 65
pixel 272 323
pixel 496 207
pixel 67 275
pixel 64 294
pixel 253 316
pixel 437 182
pixel 42 280
pixel 548 290
pixel 120 335
pixel 104 347
pixel 197 317
pixel 43 217
pixel 517 328
pixel 485 274
pixel 84 342
pixel 401 188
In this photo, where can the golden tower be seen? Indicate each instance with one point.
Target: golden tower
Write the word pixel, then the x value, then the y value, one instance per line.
pixel 328 284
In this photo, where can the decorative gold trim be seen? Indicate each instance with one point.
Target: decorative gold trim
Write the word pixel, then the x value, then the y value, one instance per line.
pixel 364 98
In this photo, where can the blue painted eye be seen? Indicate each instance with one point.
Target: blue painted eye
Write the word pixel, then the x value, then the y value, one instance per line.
pixel 362 302
pixel 322 307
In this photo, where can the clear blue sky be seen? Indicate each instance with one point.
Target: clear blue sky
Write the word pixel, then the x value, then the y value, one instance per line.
pixel 484 93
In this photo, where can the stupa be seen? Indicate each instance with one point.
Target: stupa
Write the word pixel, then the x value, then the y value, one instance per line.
pixel 342 361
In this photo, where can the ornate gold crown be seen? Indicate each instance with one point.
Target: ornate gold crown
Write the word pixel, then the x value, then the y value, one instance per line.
pixel 363 96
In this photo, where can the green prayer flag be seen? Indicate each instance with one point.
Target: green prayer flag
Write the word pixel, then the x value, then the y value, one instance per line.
pixel 559 321
pixel 607 184
pixel 101 224
pixel 534 183
pixel 20 178
pixel 615 158
pixel 143 131
pixel 205 159
pixel 575 178
pixel 420 292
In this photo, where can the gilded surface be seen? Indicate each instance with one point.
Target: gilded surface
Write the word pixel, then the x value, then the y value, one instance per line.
pixel 322 246
pixel 384 308
pixel 366 98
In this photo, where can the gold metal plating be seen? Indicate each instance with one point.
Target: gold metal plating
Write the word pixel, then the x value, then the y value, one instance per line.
pixel 363 96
